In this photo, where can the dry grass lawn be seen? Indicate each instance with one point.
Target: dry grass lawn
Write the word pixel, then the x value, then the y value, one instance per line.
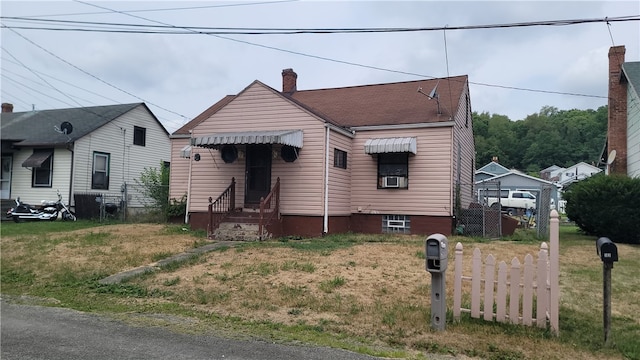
pixel 374 290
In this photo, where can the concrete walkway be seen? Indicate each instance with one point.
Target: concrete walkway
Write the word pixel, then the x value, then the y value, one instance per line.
pixel 122 276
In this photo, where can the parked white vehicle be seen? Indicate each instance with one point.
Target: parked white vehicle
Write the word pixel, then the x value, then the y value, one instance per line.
pixel 513 200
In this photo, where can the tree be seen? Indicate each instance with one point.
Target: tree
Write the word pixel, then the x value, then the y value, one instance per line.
pixel 606 206
pixel 154 185
pixel 549 137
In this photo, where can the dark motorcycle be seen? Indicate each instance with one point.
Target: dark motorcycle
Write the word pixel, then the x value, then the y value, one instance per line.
pixel 48 211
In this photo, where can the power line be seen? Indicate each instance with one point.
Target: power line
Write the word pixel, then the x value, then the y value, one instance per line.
pixel 199 30
pixel 164 28
pixel 93 76
pixel 59 80
pixel 175 8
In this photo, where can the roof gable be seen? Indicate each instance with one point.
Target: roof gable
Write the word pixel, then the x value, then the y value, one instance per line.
pixel 583 165
pixel 516 174
pixel 37 128
pixel 493 168
pixel 186 128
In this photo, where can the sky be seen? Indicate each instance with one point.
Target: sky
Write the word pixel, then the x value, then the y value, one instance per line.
pixel 513 70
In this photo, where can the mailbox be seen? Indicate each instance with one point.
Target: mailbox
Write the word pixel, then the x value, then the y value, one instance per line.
pixel 436 251
pixel 607 250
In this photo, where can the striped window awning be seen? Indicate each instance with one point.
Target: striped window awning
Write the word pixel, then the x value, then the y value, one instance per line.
pixel 185 152
pixel 282 137
pixel 391 145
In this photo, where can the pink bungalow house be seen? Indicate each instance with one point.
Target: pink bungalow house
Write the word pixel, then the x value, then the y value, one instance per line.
pixel 365 159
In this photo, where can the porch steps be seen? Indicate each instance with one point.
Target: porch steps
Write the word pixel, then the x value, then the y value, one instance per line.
pixel 240 226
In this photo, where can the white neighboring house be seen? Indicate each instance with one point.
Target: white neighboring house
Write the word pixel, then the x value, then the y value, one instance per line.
pixel 107 147
pixel 575 173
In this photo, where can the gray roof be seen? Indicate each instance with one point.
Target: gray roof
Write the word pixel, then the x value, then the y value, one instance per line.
pixel 632 72
pixel 37 128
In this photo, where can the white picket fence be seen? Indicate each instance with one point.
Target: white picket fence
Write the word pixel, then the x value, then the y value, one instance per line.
pixel 520 285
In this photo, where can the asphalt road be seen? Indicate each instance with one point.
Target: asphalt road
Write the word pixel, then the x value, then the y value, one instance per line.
pixel 37 332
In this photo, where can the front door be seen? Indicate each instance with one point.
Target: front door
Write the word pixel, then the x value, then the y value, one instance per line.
pixel 5 178
pixel 258 173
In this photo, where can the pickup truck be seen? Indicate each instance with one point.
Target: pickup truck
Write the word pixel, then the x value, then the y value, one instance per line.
pixel 512 200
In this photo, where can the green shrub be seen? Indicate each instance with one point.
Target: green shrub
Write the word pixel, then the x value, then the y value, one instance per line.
pixel 606 206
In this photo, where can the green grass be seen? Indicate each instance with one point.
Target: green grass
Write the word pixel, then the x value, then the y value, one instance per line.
pixel 10 228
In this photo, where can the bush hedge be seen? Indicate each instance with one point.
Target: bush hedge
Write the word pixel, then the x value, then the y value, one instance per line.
pixel 606 205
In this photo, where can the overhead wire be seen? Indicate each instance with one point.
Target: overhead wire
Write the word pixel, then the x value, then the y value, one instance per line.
pixel 171 29
pixel 164 28
pixel 95 77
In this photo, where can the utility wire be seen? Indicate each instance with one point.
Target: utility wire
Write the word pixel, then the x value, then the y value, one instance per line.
pixel 351 63
pixel 175 9
pixel 93 76
pixel 199 30
pixel 4 70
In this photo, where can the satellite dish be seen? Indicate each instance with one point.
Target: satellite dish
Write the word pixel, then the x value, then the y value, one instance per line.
pixel 66 128
pixel 611 157
pixel 433 94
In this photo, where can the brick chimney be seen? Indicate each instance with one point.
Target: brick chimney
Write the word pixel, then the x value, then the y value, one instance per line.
pixel 289 81
pixel 6 107
pixel 617 125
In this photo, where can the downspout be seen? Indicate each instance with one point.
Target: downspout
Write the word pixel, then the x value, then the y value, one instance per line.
pixel 326 185
pixel 73 164
pixel 186 212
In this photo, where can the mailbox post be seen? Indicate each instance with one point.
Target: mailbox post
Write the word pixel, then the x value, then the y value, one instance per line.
pixel 608 253
pixel 436 251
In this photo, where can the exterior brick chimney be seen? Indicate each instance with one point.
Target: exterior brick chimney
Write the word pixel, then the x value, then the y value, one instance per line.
pixel 7 108
pixel 289 81
pixel 617 125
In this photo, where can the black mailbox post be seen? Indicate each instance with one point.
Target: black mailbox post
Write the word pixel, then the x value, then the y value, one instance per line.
pixel 608 252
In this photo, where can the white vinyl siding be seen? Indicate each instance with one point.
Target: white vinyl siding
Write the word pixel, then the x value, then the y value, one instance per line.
pixel 100 176
pixel 126 160
pixel 633 132
pixel 21 177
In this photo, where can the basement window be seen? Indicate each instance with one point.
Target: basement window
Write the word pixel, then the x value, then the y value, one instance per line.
pixel 396 224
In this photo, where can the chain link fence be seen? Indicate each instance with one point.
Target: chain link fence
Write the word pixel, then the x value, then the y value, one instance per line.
pixel 479 218
pixel 483 217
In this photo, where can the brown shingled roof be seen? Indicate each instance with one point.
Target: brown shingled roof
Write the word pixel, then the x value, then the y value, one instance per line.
pixel 385 104
pixel 204 115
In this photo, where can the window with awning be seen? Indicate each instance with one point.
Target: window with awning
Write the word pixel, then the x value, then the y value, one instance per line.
pixel 41 163
pixel 185 152
pixel 37 159
pixel 391 145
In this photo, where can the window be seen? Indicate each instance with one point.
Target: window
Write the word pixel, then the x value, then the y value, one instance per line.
pixel 339 158
pixel 139 136
pixel 42 175
pixel 396 224
pixel 100 177
pixel 393 170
